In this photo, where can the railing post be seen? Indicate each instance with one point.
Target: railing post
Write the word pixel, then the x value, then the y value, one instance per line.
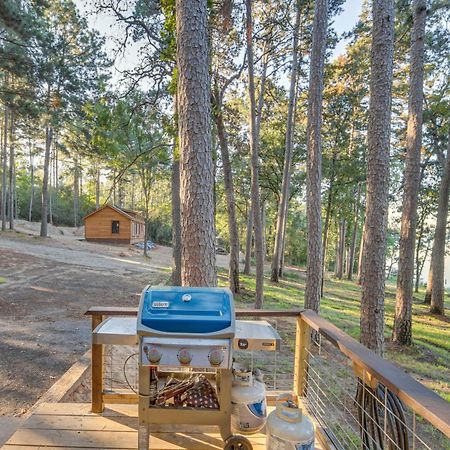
pixel 97 370
pixel 302 343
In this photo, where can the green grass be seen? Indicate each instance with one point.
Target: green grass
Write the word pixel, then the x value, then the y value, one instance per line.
pixel 2 280
pixel 428 359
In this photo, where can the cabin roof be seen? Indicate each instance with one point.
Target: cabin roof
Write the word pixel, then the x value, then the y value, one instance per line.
pixel 131 215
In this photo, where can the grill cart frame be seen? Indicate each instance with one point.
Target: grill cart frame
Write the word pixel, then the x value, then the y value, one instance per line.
pixel 158 415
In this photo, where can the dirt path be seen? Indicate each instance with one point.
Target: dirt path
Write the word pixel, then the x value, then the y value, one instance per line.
pixel 122 259
pixel 42 301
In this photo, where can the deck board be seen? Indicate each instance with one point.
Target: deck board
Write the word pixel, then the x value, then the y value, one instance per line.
pixel 63 426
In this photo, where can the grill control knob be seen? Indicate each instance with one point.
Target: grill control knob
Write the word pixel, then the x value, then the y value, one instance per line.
pixel 184 356
pixel 215 357
pixel 153 355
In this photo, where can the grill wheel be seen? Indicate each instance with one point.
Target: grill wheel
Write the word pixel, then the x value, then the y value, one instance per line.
pixel 237 442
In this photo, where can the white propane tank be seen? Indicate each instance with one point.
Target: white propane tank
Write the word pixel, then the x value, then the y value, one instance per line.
pixel 288 428
pixel 248 400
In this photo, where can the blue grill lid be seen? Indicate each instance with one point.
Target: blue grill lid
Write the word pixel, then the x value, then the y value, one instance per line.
pixel 186 309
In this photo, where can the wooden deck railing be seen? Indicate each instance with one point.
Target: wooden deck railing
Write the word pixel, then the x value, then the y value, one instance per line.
pixel 367 364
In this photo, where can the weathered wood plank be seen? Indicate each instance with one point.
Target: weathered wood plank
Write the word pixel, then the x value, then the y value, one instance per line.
pixel 111 311
pixel 33 447
pixel 85 423
pixel 66 384
pixel 72 425
pixel 120 440
pixel 71 438
pixel 113 423
pixel 132 311
pixel 83 409
pixel 120 397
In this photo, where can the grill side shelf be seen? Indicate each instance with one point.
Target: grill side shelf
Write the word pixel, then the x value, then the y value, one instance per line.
pixel 256 335
pixel 250 334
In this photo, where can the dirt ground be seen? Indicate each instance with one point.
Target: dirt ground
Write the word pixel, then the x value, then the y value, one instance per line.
pixel 46 285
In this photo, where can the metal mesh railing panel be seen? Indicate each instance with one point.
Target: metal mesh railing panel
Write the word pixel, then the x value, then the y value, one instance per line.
pixel 355 415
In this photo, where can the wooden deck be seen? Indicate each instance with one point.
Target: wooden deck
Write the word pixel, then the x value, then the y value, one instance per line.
pixel 74 426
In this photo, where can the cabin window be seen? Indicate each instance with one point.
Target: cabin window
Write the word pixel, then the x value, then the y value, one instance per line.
pixel 115 229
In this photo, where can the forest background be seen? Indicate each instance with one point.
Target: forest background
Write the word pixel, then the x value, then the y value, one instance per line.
pixel 76 135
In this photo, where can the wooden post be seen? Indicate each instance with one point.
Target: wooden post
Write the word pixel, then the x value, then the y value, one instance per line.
pixel 302 344
pixel 225 380
pixel 97 370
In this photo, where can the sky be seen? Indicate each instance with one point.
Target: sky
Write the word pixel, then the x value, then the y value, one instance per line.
pixel 105 25
pixel 346 21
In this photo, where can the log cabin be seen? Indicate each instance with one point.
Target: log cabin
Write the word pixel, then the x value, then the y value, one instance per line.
pixel 111 224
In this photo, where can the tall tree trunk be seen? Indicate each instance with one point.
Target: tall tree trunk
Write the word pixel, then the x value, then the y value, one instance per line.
pixel 351 255
pixel 283 246
pixel 16 203
pixel 327 220
pixel 254 156
pixel 264 224
pixel 30 206
pixel 4 167
pixel 336 246
pixel 1 160
pixel 12 173
pixel 284 197
pixel 341 249
pixel 76 191
pixel 262 89
pixel 248 242
pixel 360 275
pixel 56 169
pixel 97 189
pixel 402 333
pixel 133 192
pixel 389 271
pixel 44 205
pixel 378 144
pixel 229 191
pixel 418 268
pixel 114 188
pixel 198 258
pixel 438 258
pixel 50 200
pixel 419 264
pixel 314 158
pixel 427 299
pixel 146 222
pixel 176 222
pixel 80 181
pixel 51 177
pixel 283 238
pixel 120 193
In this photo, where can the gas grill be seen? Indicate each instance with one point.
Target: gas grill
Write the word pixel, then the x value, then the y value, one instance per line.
pixel 186 327
pixel 185 330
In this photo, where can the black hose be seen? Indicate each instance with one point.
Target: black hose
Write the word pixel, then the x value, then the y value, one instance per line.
pixel 372 417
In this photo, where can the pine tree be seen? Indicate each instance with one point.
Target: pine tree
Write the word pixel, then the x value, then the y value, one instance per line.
pixel 194 130
pixel 314 162
pixel 378 145
pixel 402 332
